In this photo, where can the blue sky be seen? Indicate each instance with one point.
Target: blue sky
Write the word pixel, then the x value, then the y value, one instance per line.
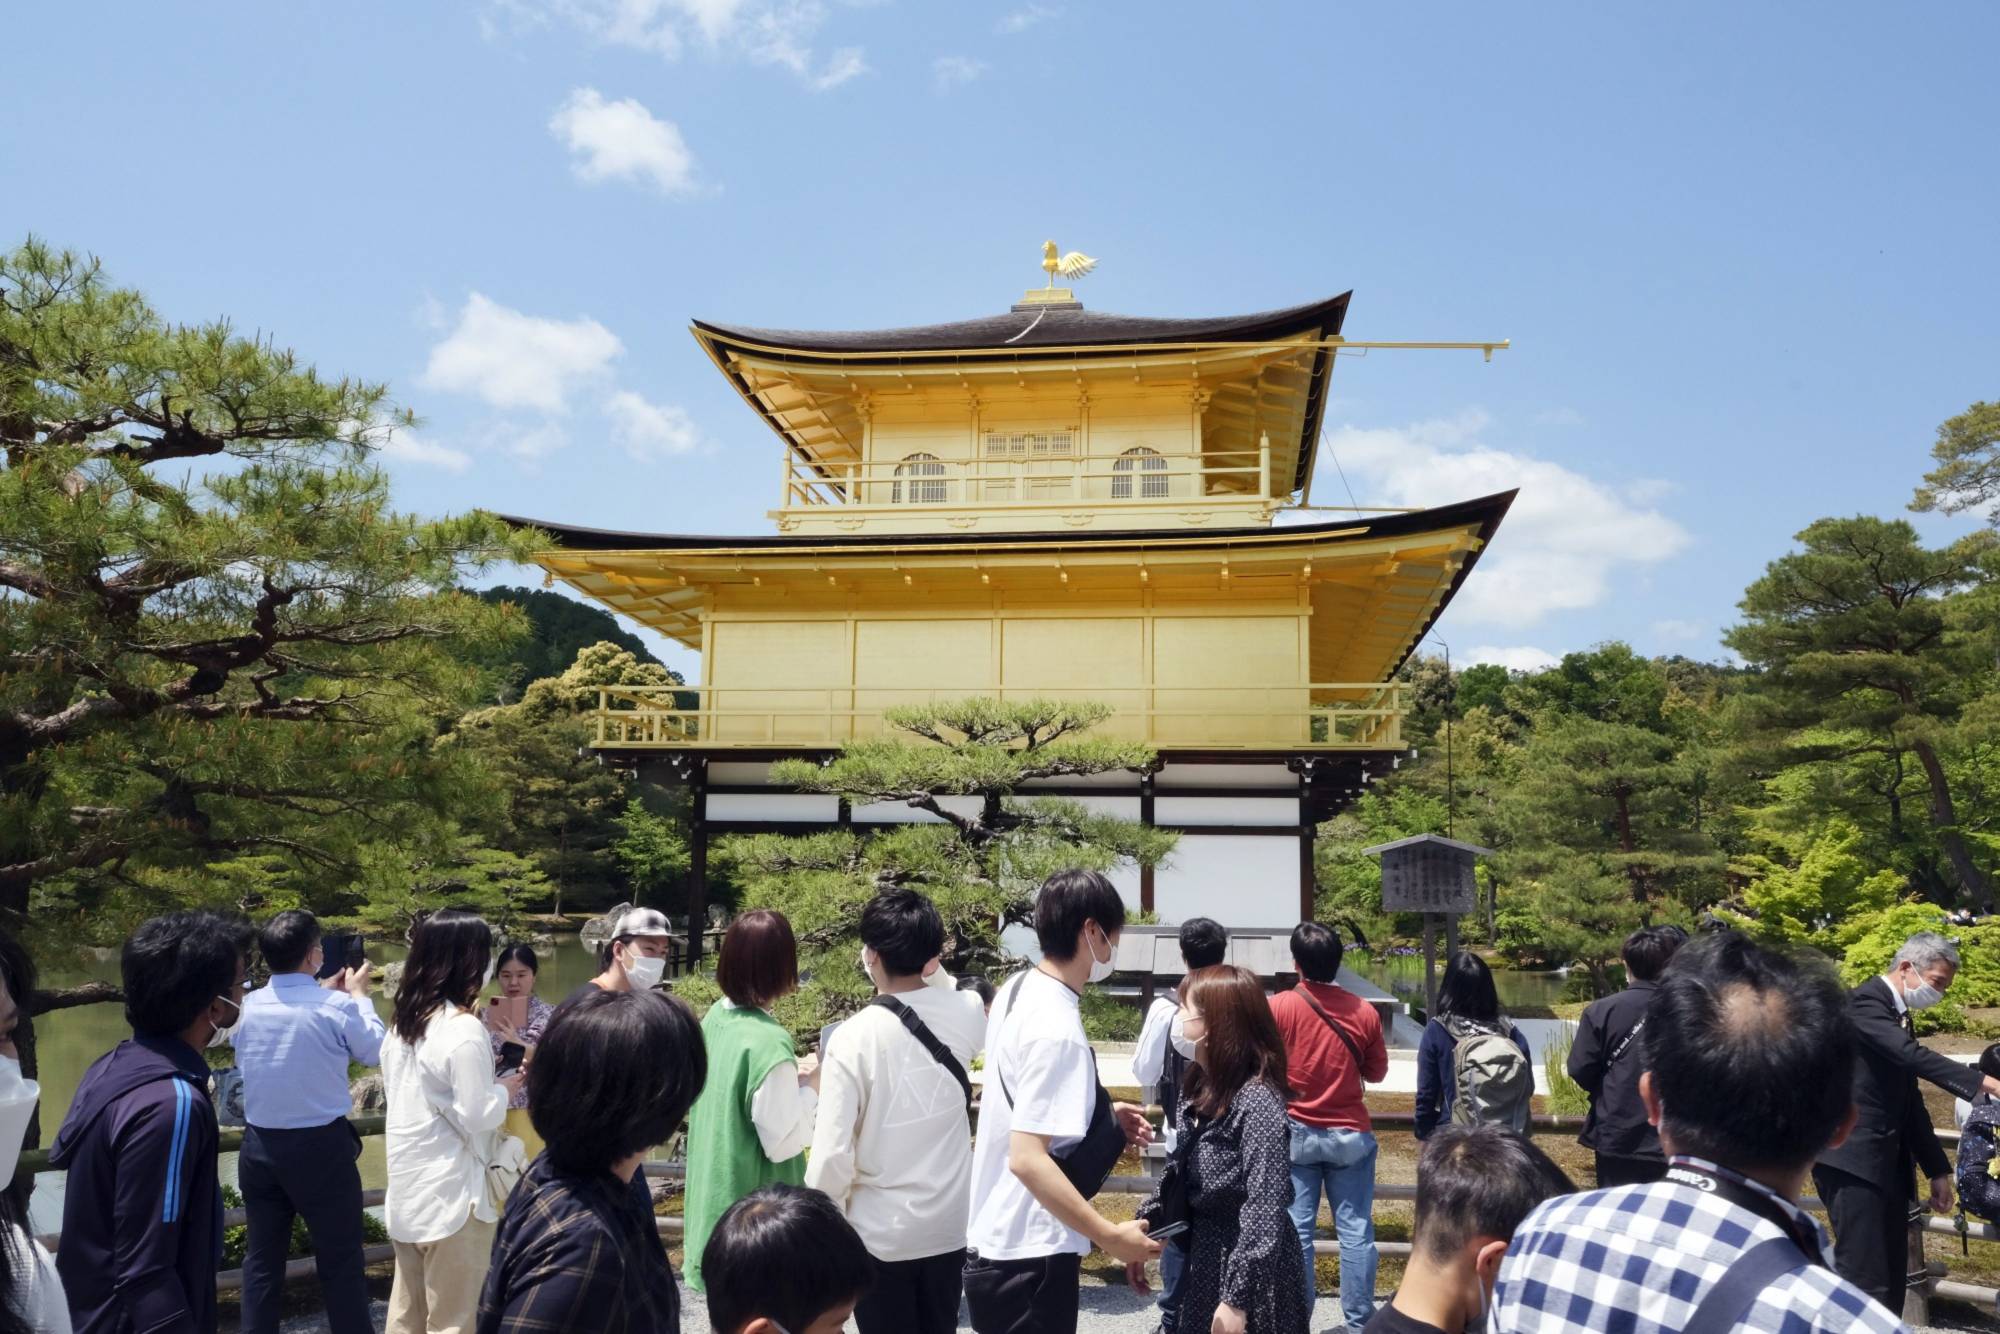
pixel 1746 253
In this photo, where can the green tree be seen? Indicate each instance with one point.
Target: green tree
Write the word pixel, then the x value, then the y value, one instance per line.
pixel 653 849
pixel 1967 474
pixel 448 869
pixel 202 666
pixel 1816 887
pixel 980 860
pixel 1855 634
pixel 559 629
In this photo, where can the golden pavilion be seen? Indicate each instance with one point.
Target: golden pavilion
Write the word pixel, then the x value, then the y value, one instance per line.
pixel 1048 501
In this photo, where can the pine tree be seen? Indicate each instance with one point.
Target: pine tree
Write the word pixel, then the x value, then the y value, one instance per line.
pixel 198 666
pixel 981 859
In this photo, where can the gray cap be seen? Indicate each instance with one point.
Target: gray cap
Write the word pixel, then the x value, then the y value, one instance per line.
pixel 643 922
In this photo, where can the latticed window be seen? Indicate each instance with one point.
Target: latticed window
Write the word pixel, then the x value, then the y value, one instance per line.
pixel 1028 444
pixel 920 490
pixel 1152 474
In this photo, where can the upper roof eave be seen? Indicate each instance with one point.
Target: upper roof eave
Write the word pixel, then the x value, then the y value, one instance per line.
pixel 1016 332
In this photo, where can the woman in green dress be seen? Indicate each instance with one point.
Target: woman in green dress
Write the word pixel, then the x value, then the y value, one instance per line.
pixel 754 1119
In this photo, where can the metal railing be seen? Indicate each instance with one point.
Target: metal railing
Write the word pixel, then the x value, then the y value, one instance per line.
pixel 1320 715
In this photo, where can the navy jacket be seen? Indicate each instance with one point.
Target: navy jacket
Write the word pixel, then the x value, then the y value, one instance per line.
pixel 142 1211
pixel 1437 1082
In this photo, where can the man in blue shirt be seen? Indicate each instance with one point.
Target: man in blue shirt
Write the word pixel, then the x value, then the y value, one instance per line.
pixel 293 1045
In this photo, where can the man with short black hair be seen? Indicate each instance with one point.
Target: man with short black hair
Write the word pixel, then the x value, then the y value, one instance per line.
pixel 142 1208
pixel 1867 1183
pixel 1474 1186
pixel 1333 1043
pixel 1607 1057
pixel 892 1145
pixel 1030 1226
pixel 300 1152
pixel 1158 1066
pixel 1749 1056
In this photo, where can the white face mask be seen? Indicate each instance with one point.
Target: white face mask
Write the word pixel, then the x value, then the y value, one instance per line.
pixel 1101 968
pixel 865 970
pixel 1177 1034
pixel 643 973
pixel 18 1097
pixel 221 1036
pixel 1922 996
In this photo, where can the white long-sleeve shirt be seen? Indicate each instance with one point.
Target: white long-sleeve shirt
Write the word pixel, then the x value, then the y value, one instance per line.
pixel 442 1102
pixel 782 1109
pixel 893 1147
pixel 1149 1057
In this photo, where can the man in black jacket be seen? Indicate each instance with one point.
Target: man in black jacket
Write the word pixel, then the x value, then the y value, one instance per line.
pixel 1608 1057
pixel 1866 1182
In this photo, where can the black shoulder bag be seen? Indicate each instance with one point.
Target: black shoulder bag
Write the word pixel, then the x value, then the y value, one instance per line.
pixel 1176 1189
pixel 1087 1163
pixel 930 1042
pixel 1338 1031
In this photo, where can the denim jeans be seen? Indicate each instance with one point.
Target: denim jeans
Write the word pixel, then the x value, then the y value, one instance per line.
pixel 1342 1162
pixel 1172 1261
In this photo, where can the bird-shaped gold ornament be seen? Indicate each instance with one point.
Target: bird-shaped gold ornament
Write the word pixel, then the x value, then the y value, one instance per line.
pixel 1072 266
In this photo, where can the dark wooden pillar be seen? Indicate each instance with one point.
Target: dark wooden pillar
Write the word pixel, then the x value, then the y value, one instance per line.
pixel 697 859
pixel 1146 872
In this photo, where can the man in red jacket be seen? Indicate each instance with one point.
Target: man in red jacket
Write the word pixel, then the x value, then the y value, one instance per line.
pixel 1333 1042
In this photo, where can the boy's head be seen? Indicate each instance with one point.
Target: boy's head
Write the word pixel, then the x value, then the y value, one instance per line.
pixel 1204 943
pixel 1989 1061
pixel 784 1261
pixel 1474 1186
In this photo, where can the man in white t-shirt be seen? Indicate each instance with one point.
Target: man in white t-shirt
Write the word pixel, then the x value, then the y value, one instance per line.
pixel 1159 1069
pixel 1029 1227
pixel 893 1144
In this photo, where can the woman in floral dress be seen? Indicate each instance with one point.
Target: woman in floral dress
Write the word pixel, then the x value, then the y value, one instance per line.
pixel 516 975
pixel 1242 1274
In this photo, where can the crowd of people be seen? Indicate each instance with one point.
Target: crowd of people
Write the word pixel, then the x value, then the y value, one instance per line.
pixel 856 1183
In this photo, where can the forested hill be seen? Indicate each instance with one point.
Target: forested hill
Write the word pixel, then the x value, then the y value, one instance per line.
pixel 560 627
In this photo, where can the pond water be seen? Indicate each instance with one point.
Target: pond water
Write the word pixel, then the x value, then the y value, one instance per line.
pixel 1402 976
pixel 67 1041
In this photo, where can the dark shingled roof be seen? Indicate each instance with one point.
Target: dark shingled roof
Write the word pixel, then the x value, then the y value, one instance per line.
pixel 1059 326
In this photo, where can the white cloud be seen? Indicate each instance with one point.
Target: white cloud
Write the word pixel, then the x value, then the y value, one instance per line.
pixel 399 444
pixel 529 441
pixel 949 72
pixel 1559 417
pixel 1565 539
pixel 1517 658
pixel 513 360
pixel 1020 20
pixel 647 429
pixel 622 141
pixel 1680 630
pixel 844 64
pixel 781 33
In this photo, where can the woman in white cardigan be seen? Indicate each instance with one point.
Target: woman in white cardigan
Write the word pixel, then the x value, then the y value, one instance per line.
pixel 31 1292
pixel 444 1109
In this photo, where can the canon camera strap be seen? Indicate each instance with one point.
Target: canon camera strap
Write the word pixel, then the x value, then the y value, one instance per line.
pixel 1684 1173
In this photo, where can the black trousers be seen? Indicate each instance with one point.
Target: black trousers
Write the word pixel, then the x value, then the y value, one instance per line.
pixel 1036 1296
pixel 920 1296
pixel 311 1174
pixel 1871 1232
pixel 1616 1171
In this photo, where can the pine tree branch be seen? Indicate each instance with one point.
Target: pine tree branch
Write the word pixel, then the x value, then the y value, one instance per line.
pixel 68 998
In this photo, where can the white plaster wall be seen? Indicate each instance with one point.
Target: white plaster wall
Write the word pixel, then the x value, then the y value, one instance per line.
pixel 1225 810
pixel 774 806
pixel 1238 879
pixel 895 812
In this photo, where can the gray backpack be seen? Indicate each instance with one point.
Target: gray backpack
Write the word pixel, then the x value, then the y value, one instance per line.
pixel 1494 1082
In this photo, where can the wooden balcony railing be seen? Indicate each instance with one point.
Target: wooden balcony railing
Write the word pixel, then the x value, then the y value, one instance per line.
pixel 922 482
pixel 1313 716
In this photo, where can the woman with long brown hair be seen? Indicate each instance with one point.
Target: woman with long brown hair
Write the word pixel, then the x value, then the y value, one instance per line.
pixel 1242 1272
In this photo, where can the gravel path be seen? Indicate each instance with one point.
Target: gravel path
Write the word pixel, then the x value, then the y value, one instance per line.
pixel 1104 1310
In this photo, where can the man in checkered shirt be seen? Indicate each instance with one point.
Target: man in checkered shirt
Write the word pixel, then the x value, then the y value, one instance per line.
pixel 1750 1066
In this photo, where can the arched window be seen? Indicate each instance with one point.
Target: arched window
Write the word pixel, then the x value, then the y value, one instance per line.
pixel 919 492
pixel 1153 475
